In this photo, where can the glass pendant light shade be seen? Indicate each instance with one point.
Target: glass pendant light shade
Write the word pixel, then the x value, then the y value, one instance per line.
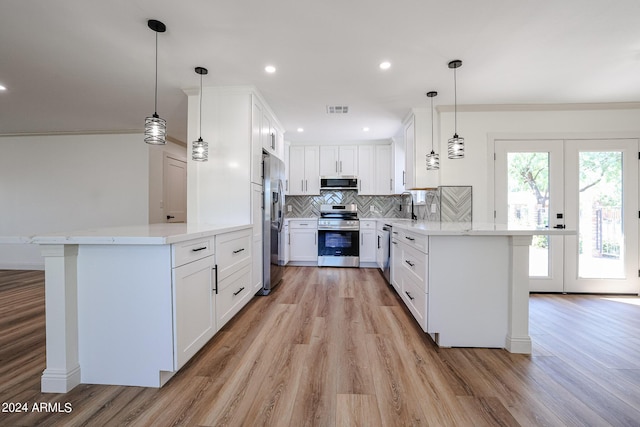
pixel 200 152
pixel 155 130
pixel 456 147
pixel 456 144
pixel 155 127
pixel 433 159
pixel 200 148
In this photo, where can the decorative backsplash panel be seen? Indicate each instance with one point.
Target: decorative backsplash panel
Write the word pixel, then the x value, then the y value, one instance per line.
pixel 455 203
pixel 451 203
pixel 309 206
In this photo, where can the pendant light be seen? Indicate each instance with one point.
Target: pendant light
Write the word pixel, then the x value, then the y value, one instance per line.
pixel 433 159
pixel 456 144
pixel 200 148
pixel 155 127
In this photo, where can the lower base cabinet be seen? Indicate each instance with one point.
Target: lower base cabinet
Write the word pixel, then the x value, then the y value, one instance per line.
pixel 194 308
pixel 145 310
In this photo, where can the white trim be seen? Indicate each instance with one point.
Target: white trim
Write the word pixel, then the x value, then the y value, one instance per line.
pixel 539 107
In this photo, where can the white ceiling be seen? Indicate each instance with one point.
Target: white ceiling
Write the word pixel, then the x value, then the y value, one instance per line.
pixel 88 65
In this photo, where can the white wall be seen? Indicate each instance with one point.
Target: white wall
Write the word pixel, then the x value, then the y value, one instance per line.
pixel 69 182
pixel 480 127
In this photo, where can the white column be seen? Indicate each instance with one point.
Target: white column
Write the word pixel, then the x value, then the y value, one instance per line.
pixel 518 339
pixel 61 299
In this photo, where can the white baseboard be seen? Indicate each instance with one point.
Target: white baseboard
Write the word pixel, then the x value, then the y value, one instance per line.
pixel 21 266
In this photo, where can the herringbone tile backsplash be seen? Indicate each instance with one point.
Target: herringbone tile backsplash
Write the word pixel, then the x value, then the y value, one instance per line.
pixel 455 203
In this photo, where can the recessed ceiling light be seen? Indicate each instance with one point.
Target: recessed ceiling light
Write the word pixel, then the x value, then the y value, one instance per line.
pixel 300 130
pixel 2 87
pixel 270 69
pixel 385 65
pixel 365 129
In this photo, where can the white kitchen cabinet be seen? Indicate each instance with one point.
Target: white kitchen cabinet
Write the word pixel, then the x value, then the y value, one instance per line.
pixel 256 212
pixel 375 170
pixel 303 241
pixel 284 242
pixel 408 178
pixel 396 263
pixel 219 191
pixel 366 170
pixel 304 172
pixel 194 308
pixel 383 170
pixel 234 286
pixel 368 243
pixel 336 160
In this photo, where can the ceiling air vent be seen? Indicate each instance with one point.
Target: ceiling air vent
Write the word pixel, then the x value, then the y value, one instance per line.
pixel 337 109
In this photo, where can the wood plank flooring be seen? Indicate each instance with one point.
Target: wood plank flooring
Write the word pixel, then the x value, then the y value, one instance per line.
pixel 335 347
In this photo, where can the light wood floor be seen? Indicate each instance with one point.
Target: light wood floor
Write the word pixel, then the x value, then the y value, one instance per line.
pixel 335 347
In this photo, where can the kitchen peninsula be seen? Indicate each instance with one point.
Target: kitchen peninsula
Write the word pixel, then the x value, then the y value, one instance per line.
pixel 466 284
pixel 131 305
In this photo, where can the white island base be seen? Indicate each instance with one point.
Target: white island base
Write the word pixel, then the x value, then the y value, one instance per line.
pixel 467 286
pixel 130 306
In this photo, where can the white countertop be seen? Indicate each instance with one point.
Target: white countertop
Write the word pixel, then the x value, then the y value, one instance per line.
pixel 150 234
pixel 436 228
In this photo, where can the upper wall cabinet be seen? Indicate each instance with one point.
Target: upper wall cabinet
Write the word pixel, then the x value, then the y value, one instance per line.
pixel 304 175
pixel 409 178
pixel 266 135
pixel 375 172
pixel 338 160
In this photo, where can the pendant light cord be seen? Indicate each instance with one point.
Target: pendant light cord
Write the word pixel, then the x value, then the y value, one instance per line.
pixel 155 106
pixel 455 103
pixel 200 106
pixel 432 124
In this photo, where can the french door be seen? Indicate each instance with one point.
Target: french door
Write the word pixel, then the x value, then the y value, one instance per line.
pixel 587 185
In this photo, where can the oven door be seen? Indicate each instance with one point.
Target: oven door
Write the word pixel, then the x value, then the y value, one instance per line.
pixel 338 248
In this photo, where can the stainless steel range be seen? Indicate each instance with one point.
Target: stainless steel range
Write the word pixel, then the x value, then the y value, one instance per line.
pixel 338 236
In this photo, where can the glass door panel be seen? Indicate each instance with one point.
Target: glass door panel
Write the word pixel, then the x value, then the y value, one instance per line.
pixel 602 199
pixel 529 193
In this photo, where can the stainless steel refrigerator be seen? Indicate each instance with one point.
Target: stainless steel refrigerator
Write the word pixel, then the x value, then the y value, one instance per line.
pixel 272 222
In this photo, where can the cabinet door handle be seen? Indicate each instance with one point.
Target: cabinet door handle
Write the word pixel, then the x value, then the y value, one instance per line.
pixel 391 184
pixel 361 239
pixel 286 185
pixel 409 295
pixel 336 166
pixel 215 270
pixel 395 243
pixel 378 241
pixel 238 251
pixel 239 290
pixel 409 238
pixel 315 239
pixel 404 181
pixel 199 249
pixel 409 262
pixel 340 166
pixel 170 217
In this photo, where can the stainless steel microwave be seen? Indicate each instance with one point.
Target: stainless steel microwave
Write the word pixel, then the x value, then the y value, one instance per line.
pixel 338 182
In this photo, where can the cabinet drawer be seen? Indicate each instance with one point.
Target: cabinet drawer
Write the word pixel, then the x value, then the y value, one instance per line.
pixel 307 223
pixel 367 224
pixel 414 263
pixel 233 293
pixel 415 240
pixel 415 299
pixel 233 251
pixel 191 250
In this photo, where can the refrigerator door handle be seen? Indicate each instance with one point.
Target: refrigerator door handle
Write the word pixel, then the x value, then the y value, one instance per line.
pixel 280 205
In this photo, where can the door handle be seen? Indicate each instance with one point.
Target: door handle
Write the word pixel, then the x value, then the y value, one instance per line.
pixel 560 226
pixel 170 217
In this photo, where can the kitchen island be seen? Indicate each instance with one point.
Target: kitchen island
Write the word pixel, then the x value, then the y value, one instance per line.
pixel 466 284
pixel 131 305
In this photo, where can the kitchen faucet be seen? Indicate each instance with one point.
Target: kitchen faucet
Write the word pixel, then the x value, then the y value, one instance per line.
pixel 413 215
